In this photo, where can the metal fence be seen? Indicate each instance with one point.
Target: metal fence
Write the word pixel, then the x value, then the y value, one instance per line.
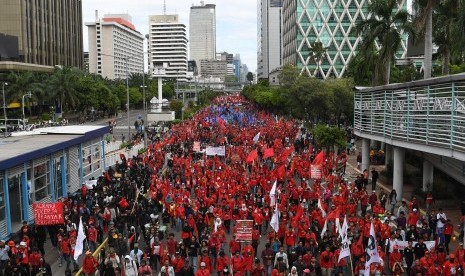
pixel 429 112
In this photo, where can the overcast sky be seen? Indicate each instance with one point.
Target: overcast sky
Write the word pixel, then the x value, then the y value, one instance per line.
pixel 236 21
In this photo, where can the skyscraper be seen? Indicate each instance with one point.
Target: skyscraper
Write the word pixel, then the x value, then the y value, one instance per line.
pixel 269 44
pixel 202 33
pixel 116 48
pixel 48 32
pixel 329 22
pixel 168 45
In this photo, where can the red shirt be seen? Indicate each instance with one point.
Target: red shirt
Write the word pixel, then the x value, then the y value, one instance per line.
pixel 326 259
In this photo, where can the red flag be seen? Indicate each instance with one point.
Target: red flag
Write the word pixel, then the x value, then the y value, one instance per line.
pixel 319 158
pixel 253 155
pixel 123 203
pixel 283 156
pixel 268 153
pixel 298 215
pixel 279 172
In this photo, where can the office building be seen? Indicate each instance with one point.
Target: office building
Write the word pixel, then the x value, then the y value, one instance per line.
pixel 202 33
pixel 237 66
pixel 214 68
pixel 45 34
pixel 168 45
pixel 269 44
pixel 329 22
pixel 116 48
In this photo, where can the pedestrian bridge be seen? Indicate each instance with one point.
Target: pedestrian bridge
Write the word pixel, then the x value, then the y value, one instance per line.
pixel 427 116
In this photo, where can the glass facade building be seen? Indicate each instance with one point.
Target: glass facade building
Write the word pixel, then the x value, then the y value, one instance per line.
pixel 330 22
pixel 48 32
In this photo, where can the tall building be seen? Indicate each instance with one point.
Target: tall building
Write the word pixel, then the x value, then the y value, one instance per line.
pixel 237 66
pixel 214 69
pixel 116 48
pixel 269 44
pixel 202 33
pixel 168 45
pixel 329 22
pixel 47 33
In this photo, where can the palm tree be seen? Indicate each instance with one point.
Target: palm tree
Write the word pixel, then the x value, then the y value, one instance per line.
pixel 63 84
pixel 318 52
pixel 20 84
pixel 424 23
pixel 384 27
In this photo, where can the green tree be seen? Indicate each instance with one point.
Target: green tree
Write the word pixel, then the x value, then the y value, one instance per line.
pixel 362 66
pixel 288 75
pixel 176 106
pixel 329 137
pixel 318 52
pixel 385 26
pixel 342 99
pixel 63 85
pixel 250 77
pixel 424 23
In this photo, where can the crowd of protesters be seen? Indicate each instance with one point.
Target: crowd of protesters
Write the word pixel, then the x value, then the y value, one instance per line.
pixel 173 210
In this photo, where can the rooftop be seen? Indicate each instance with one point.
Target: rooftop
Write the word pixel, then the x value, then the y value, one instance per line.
pixel 25 146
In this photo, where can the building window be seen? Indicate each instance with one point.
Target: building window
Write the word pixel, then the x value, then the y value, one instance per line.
pixel 2 200
pixel 41 180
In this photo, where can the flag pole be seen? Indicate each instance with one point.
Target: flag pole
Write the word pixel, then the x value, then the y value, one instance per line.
pixel 351 265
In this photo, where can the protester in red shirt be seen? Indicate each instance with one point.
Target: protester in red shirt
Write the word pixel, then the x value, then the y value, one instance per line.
pixel 89 264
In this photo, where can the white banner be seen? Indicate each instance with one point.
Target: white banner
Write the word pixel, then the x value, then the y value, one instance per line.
pixel 403 244
pixel 212 151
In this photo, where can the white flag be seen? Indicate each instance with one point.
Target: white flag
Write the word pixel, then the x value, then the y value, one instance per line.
pixel 321 208
pixel 80 241
pixel 256 137
pixel 274 223
pixel 345 249
pixel 371 252
pixel 325 227
pixel 338 225
pixel 273 194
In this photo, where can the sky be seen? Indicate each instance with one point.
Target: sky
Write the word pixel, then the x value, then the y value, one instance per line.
pixel 236 21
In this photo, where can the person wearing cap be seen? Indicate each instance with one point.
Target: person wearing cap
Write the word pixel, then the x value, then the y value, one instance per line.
pixel 89 264
pixel 413 217
pixel 177 262
pixel 202 271
pixel 4 249
pixel 136 254
pixel 23 252
pixel 167 269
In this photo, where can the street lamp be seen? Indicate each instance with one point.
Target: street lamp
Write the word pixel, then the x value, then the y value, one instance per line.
pixel 4 107
pixel 29 95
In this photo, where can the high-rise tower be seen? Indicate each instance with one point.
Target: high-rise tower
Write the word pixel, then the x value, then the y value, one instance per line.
pixel 42 32
pixel 202 33
pixel 269 44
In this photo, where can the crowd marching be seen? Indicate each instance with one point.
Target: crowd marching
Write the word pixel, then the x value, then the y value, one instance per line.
pixel 178 210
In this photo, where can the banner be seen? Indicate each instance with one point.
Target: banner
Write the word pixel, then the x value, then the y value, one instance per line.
pixel 275 220
pixel 79 248
pixel 345 249
pixel 48 213
pixel 403 244
pixel 371 252
pixel 196 147
pixel 315 171
pixel 90 184
pixel 244 230
pixel 212 151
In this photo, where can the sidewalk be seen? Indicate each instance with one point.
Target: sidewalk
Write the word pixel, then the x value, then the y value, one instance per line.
pixel 452 211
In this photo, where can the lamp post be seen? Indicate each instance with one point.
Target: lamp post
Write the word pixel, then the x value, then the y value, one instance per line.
pixel 4 107
pixel 29 95
pixel 143 95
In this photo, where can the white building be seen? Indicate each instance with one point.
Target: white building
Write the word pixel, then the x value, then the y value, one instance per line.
pixel 168 45
pixel 269 44
pixel 115 47
pixel 202 33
